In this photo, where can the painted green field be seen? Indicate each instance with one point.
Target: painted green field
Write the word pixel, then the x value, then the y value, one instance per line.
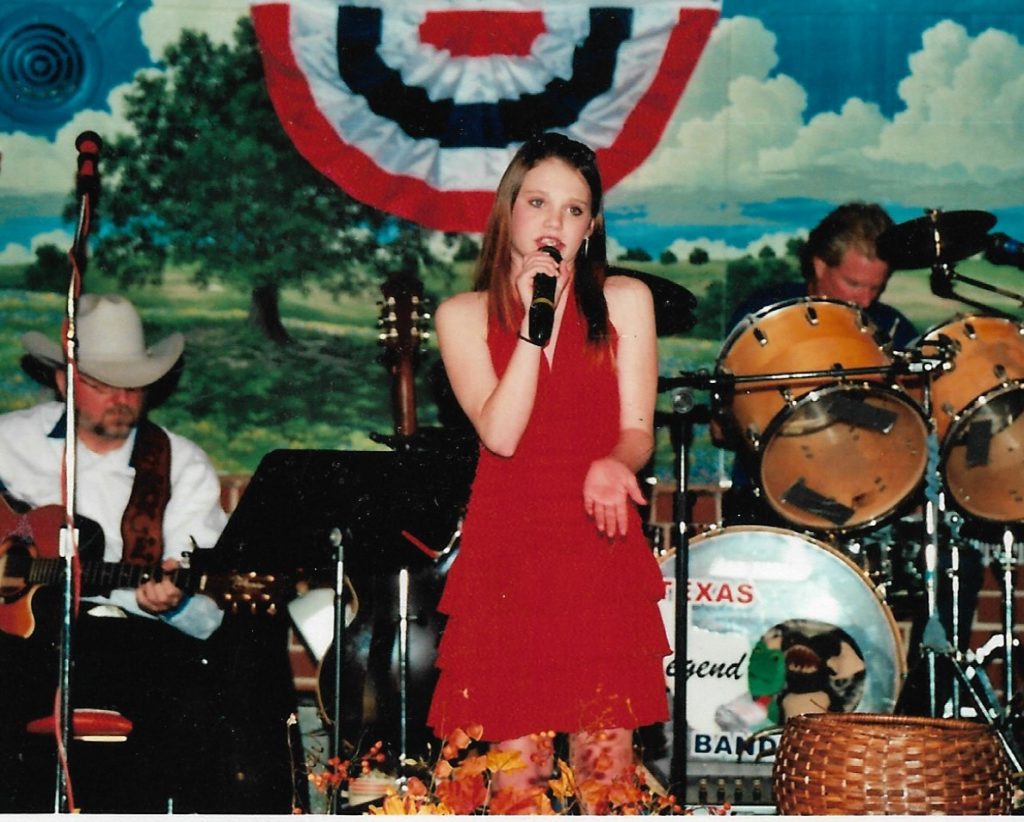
pixel 241 396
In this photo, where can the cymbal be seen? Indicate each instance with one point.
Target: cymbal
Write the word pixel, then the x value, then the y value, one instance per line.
pixel 938 237
pixel 673 304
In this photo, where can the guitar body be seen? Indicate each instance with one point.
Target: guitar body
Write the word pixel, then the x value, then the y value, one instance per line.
pixel 16 616
pixel 30 558
pixel 35 533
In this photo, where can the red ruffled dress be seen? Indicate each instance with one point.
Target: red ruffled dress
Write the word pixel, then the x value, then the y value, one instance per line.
pixel 550 625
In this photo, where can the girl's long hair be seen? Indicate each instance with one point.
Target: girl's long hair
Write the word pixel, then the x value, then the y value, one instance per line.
pixel 493 266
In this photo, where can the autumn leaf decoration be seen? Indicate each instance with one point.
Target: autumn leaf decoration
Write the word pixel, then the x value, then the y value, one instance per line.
pixel 461 782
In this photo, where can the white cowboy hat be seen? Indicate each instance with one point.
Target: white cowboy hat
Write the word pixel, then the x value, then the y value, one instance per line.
pixel 111 344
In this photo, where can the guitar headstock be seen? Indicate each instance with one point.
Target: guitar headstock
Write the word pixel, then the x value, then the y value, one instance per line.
pixel 403 319
pixel 243 592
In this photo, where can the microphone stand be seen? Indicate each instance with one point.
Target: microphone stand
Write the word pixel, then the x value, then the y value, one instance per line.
pixel 403 672
pixel 68 551
pixel 339 635
pixel 88 145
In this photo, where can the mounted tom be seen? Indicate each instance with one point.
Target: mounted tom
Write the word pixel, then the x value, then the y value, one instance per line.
pixel 978 405
pixel 839 445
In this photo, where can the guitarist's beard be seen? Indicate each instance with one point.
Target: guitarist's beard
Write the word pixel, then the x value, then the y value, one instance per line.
pixel 115 424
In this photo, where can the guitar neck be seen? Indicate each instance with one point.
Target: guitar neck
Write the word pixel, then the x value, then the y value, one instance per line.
pixel 403 399
pixel 105 574
pixel 403 322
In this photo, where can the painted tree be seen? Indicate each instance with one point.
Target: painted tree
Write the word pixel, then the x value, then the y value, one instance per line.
pixel 209 180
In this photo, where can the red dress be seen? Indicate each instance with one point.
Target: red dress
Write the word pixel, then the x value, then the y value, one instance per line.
pixel 550 625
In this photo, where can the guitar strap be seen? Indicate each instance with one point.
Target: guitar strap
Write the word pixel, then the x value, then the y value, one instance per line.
pixel 142 523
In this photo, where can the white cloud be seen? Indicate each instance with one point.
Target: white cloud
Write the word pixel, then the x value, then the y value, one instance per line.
pixel 36 164
pixel 15 254
pixel 18 254
pixel 740 134
pixel 714 141
pixel 964 106
pixel 721 250
pixel 162 23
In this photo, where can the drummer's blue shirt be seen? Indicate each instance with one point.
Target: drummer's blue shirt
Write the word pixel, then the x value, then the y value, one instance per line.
pixel 888 320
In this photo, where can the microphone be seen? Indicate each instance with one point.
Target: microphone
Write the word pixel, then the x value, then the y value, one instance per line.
pixel 1004 250
pixel 87 182
pixel 542 307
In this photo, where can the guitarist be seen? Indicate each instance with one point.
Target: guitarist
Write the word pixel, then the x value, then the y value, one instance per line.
pixel 139 651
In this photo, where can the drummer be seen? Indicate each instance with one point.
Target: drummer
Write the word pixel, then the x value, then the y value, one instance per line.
pixel 838 262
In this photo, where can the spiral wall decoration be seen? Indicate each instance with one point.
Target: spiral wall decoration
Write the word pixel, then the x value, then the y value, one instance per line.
pixel 48 64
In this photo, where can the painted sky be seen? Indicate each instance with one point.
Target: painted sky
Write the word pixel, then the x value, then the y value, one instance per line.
pixel 796 106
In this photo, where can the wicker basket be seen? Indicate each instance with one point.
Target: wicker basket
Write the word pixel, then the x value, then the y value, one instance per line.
pixel 855 764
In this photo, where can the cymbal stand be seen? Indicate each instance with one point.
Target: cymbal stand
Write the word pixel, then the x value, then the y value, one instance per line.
pixel 944 275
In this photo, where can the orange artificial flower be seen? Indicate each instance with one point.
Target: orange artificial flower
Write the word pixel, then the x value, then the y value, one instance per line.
pixel 393 805
pixel 443 769
pixel 472 765
pixel 512 801
pixel 594 795
pixel 622 793
pixel 459 738
pixel 463 796
pixel 415 787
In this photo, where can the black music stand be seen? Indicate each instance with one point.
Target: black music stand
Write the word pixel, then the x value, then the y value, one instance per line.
pixel 297 497
pixel 378 512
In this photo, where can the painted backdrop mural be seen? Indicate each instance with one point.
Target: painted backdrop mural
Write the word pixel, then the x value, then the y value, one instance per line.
pixel 791 109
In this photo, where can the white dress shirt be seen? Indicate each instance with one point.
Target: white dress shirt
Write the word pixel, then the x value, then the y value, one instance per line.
pixel 31 461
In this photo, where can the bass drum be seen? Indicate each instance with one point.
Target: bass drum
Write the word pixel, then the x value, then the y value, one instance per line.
pixel 978 406
pixel 824 446
pixel 779 625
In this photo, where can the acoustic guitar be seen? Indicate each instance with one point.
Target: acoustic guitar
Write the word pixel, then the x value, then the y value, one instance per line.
pixel 403 332
pixel 30 558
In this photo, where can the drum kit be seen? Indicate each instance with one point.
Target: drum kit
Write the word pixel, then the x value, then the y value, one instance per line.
pixel 876 462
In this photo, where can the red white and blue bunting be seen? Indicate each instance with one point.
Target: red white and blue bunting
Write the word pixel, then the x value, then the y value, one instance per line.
pixel 416 106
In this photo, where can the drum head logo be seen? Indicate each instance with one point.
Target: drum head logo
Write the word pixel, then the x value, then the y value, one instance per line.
pixel 800 666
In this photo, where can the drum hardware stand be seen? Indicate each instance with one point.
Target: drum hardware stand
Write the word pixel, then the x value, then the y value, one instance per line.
pixel 1008 603
pixel 683 405
pixel 1005 640
pixel 969 675
pixel 935 642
